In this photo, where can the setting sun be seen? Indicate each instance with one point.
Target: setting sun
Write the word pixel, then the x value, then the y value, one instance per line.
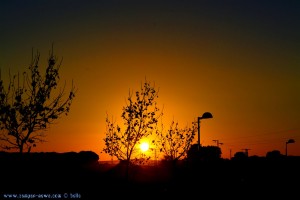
pixel 144 146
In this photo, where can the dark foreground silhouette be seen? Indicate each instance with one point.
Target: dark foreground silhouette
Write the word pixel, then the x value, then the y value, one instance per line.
pixel 80 175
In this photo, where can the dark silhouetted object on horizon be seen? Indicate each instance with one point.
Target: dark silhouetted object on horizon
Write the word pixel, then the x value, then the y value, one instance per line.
pixel 286 144
pixel 29 104
pixel 206 115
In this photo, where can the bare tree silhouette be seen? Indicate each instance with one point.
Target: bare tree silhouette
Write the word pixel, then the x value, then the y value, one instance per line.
pixel 140 118
pixel 176 141
pixel 29 104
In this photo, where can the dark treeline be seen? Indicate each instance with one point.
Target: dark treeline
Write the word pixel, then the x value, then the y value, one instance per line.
pixel 66 158
pixel 46 172
pixel 81 173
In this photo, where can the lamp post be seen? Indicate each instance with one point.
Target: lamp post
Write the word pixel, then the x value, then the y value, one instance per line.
pixel 206 115
pixel 286 143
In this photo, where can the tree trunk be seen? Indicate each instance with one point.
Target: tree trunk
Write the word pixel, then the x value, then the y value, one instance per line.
pixel 127 171
pixel 21 147
pixel 29 149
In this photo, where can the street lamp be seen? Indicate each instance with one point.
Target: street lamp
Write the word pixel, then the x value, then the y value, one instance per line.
pixel 206 115
pixel 288 142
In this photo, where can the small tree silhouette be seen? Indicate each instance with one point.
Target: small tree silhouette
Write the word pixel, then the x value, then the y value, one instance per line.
pixel 210 153
pixel 176 141
pixel 274 155
pixel 240 155
pixel 140 118
pixel 205 153
pixel 30 104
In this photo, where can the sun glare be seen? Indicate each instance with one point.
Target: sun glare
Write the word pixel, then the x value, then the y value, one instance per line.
pixel 144 146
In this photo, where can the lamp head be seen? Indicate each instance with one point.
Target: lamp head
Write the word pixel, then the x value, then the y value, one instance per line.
pixel 290 141
pixel 206 115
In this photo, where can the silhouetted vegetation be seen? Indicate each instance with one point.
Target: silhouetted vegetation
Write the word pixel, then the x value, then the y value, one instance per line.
pixel 29 104
pixel 240 155
pixel 81 173
pixel 176 141
pixel 274 155
pixel 140 117
pixel 51 158
pixel 205 153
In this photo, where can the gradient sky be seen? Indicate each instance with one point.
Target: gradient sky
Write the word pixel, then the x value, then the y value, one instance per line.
pixel 239 60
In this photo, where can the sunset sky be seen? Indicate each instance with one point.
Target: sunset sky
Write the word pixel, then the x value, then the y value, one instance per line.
pixel 239 60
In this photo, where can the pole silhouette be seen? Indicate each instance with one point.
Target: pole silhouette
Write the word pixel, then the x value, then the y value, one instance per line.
pixel 286 144
pixel 206 115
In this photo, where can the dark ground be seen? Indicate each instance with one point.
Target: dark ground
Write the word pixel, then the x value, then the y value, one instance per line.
pixel 89 179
